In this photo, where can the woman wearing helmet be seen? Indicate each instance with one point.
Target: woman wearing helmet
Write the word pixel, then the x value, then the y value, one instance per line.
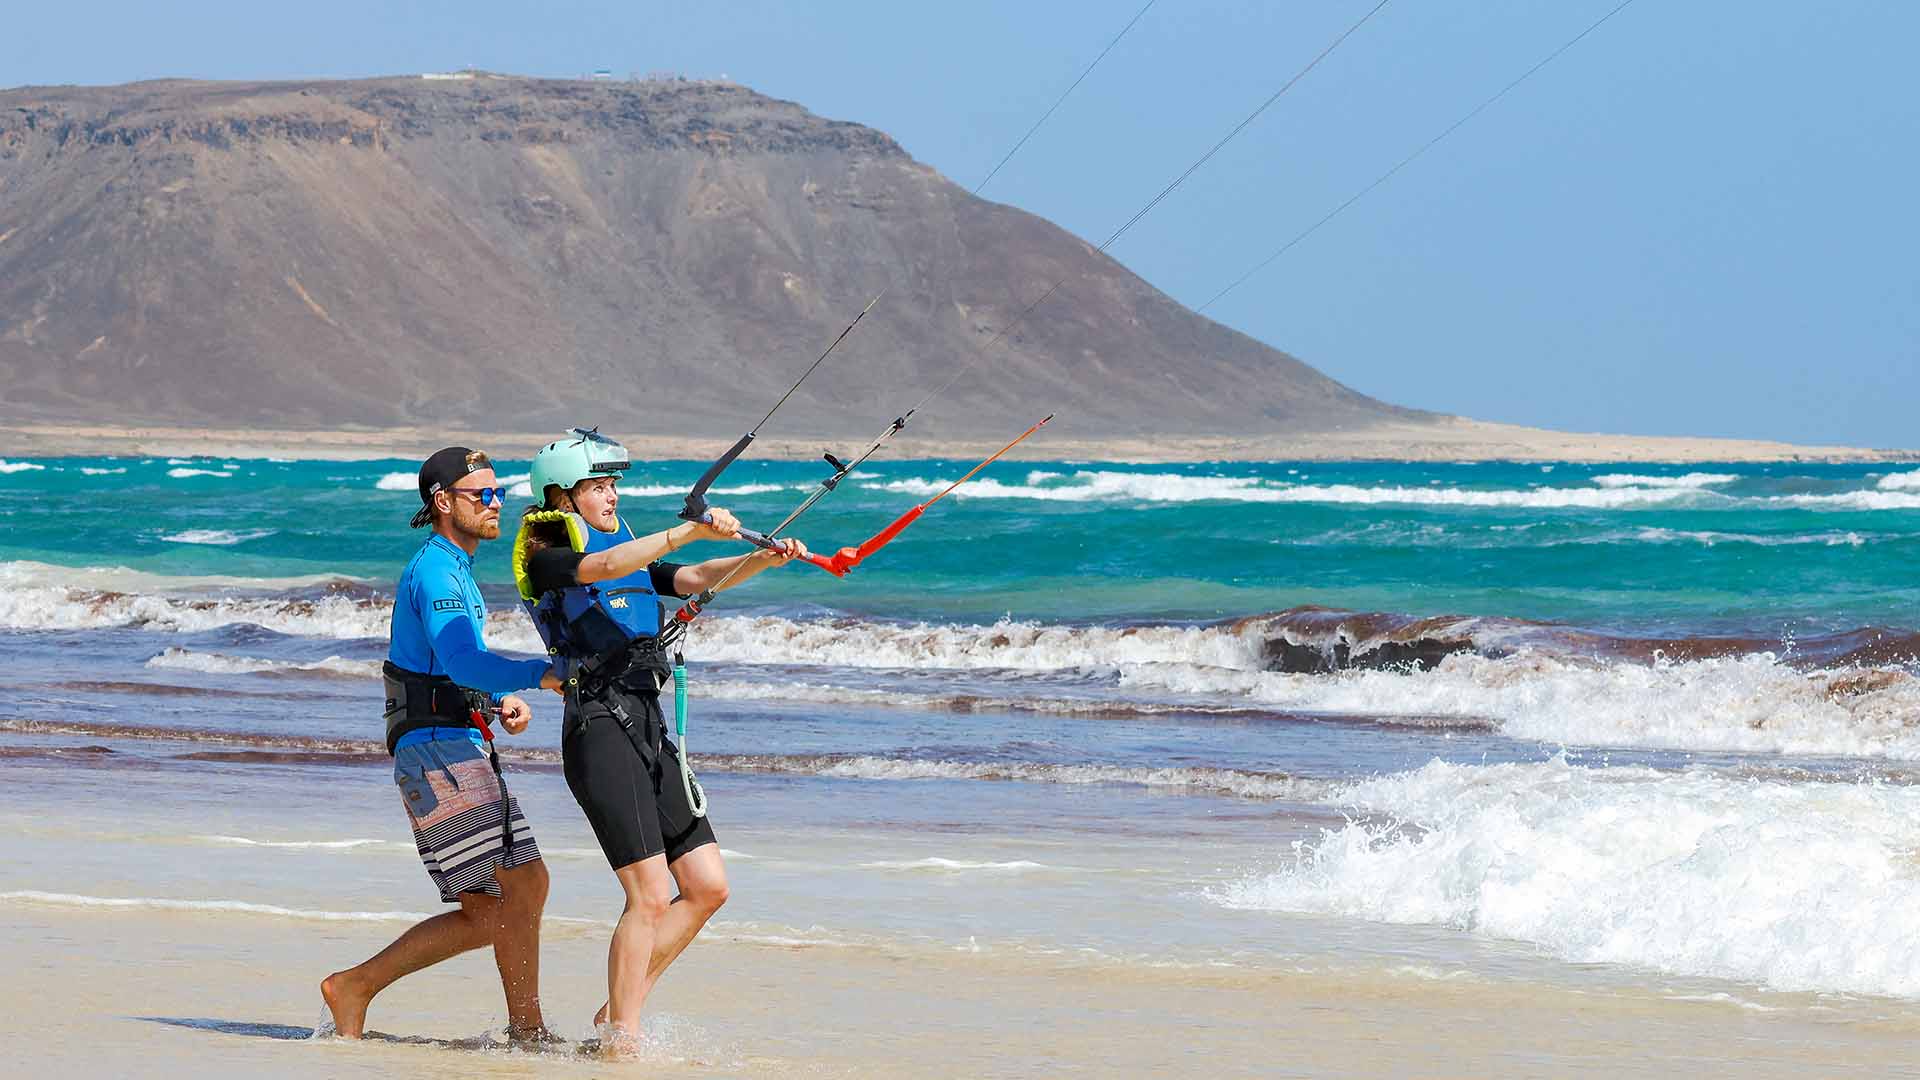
pixel 593 587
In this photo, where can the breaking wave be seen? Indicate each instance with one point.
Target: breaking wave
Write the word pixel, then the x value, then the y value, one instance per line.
pixel 38 597
pixel 217 537
pixel 1689 480
pixel 1849 500
pixel 20 466
pixel 182 474
pixel 1610 491
pixel 175 658
pixel 1798 887
pixel 1850 693
pixel 1103 486
pixel 1750 703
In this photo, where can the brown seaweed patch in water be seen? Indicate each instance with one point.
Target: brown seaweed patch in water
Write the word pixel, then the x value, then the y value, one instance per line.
pixel 1316 640
pixel 284 757
pixel 1312 640
pixel 54 751
pixel 530 760
pixel 105 730
pixel 260 748
pixel 1849 684
pixel 91 686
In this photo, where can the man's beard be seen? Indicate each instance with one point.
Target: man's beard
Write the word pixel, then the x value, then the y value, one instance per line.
pixel 478 527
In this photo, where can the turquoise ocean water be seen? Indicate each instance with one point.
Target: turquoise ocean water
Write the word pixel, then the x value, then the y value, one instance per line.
pixel 1628 717
pixel 1774 549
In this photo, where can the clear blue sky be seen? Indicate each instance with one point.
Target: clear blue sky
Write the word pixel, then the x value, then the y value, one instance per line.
pixel 1701 220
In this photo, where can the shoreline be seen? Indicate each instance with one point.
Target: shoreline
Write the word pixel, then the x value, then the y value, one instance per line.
pixel 1448 440
pixel 876 1014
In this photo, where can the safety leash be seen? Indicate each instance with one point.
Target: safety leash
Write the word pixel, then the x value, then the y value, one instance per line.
pixel 696 796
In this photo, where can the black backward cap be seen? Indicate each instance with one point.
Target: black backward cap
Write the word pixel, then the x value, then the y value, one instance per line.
pixel 444 470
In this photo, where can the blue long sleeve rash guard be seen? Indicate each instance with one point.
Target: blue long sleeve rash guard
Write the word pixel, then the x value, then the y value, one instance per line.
pixel 438 621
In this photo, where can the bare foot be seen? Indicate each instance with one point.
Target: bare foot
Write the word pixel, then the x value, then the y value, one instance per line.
pixel 348 1006
pixel 619 1044
pixel 601 1016
pixel 534 1038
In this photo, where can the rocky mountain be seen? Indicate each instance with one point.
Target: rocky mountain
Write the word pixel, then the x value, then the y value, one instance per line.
pixel 519 254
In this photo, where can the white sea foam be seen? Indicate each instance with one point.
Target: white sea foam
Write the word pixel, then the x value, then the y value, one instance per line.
pixel 956 866
pixel 26 573
pixel 1848 500
pixel 1020 697
pixel 1750 703
pixel 180 461
pixel 222 907
pixel 182 474
pixel 1009 644
pixel 750 489
pixel 56 608
pixel 88 470
pixel 217 537
pixel 1799 887
pixel 1211 781
pixel 517 485
pixel 20 466
pixel 175 658
pixel 37 596
pixel 41 596
pixel 399 481
pixel 236 907
pixel 299 845
pixel 1710 538
pixel 1689 480
pixel 1105 486
pixel 1904 481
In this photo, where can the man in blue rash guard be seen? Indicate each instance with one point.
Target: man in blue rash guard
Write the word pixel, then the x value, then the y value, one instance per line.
pixel 441 682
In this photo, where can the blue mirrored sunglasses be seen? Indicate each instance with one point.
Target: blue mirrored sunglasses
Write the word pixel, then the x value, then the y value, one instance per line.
pixel 481 495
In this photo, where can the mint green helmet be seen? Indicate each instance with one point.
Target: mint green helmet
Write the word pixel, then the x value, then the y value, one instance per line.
pixel 580 455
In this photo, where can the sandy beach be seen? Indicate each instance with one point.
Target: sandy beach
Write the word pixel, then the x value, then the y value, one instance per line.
pixel 121 1006
pixel 1457 439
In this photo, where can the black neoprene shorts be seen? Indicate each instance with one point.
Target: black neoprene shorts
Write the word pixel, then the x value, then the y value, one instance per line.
pixel 632 795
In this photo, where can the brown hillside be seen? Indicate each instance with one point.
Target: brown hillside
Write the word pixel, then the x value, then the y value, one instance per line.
pixel 516 253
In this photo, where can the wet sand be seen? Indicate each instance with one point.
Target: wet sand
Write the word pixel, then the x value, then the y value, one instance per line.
pixel 125 994
pixel 1446 440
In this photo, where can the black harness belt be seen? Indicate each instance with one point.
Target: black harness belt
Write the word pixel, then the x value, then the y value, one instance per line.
pixel 416 702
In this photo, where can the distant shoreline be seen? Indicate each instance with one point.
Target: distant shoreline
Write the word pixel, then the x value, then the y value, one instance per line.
pixel 1447 440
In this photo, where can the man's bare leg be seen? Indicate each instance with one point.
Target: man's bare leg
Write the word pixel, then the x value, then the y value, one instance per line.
pixel 424 944
pixel 702 877
pixel 649 889
pixel 516 947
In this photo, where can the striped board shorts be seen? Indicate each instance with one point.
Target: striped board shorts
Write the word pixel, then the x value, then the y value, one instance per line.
pixel 453 802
